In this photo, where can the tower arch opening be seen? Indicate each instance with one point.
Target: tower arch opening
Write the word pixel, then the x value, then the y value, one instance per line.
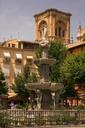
pixel 43 30
pixel 60 29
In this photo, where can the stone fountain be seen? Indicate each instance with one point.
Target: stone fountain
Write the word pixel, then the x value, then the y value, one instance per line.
pixel 46 91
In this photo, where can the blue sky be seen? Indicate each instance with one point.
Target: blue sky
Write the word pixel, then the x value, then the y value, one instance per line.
pixel 17 21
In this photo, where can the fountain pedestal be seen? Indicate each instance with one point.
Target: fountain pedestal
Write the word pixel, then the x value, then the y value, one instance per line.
pixel 44 85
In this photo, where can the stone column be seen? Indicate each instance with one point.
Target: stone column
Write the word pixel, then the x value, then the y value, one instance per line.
pixel 51 24
pixel 68 30
pixel 36 29
pixel 54 24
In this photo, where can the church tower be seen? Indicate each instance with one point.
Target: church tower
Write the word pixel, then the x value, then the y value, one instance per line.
pixel 57 24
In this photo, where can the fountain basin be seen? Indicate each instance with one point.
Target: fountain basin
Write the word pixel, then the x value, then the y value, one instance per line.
pixel 46 61
pixel 44 86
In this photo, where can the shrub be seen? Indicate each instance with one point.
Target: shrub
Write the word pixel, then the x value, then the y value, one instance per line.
pixel 4 120
pixel 39 119
pixel 69 119
pixel 53 119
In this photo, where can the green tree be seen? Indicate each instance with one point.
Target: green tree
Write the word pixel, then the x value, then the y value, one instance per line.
pixel 19 86
pixel 3 84
pixel 20 81
pixel 39 52
pixel 33 78
pixel 73 72
pixel 26 73
pixel 57 51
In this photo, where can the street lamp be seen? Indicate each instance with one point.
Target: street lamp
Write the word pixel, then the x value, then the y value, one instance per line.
pixel 53 97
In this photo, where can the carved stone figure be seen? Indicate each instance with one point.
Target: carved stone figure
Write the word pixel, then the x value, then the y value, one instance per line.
pixel 44 31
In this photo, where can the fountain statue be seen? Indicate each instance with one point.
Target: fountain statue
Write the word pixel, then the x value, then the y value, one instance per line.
pixel 44 89
pixel 44 32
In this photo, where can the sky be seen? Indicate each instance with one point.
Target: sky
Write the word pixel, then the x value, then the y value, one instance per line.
pixel 17 16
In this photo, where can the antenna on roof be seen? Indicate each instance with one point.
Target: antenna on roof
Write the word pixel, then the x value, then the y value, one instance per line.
pixel 72 38
pixel 11 37
pixel 79 27
pixel 18 35
pixel 80 30
pixel 4 38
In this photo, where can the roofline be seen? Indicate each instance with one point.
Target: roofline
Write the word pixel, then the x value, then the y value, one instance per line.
pixel 30 42
pixel 9 48
pixel 23 41
pixel 74 45
pixel 52 9
pixel 2 43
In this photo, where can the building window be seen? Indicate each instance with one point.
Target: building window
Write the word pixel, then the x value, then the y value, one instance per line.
pixel 56 32
pixel 9 45
pixel 13 45
pixel 63 33
pixel 59 31
pixel 5 70
pixel 19 45
pixel 6 57
pixel 18 59
pixel 6 60
pixel 29 60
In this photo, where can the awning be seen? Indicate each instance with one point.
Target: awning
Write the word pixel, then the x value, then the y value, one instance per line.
pixel 29 57
pixel 10 95
pixel 6 54
pixel 18 56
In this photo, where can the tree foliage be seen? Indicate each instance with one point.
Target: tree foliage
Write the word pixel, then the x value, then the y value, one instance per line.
pixel 57 51
pixel 39 52
pixel 22 79
pixel 33 78
pixel 73 71
pixel 3 84
pixel 19 86
pixel 26 73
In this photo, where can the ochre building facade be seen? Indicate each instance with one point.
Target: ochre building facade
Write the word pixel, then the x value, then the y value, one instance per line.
pixel 13 57
pixel 57 24
pixel 79 44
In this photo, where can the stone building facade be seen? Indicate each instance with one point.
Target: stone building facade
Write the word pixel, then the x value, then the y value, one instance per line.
pixel 13 58
pixel 79 44
pixel 57 24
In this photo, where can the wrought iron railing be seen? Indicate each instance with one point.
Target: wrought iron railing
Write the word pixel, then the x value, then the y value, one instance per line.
pixel 22 117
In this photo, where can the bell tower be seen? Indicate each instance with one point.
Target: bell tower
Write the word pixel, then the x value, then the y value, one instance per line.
pixel 57 24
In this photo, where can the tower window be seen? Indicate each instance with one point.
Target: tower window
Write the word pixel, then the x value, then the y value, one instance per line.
pixel 56 32
pixel 60 29
pixel 13 45
pixel 59 32
pixel 63 33
pixel 8 45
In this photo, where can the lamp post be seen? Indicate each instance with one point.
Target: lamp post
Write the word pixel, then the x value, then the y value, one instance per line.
pixel 53 97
